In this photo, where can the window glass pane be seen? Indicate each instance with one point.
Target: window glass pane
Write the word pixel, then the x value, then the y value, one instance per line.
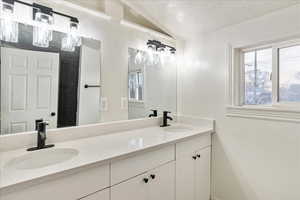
pixel 289 74
pixel 140 86
pixel 258 83
pixel 132 85
pixel 136 85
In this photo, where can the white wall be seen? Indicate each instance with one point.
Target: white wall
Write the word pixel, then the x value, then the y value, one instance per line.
pixel 252 159
pixel 115 40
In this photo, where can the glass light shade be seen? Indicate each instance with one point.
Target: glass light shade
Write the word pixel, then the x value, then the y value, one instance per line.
pixel 72 39
pixel 9 29
pixel 42 32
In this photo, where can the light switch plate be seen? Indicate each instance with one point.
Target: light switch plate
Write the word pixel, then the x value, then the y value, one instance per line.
pixel 104 104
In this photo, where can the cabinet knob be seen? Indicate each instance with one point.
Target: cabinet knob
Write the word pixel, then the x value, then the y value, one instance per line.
pixel 152 176
pixel 194 157
pixel 145 180
pixel 199 156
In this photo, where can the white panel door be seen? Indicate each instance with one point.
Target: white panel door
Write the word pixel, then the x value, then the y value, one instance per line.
pixel 89 98
pixel 202 176
pixel 29 89
pixel 162 182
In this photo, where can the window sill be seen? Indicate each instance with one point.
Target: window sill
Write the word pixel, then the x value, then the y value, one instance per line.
pixel 136 101
pixel 264 112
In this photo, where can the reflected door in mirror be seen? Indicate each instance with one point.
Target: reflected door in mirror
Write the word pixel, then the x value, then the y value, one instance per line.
pixel 29 89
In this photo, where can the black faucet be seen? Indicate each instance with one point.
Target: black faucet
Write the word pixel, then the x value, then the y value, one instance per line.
pixel 41 136
pixel 165 119
pixel 154 114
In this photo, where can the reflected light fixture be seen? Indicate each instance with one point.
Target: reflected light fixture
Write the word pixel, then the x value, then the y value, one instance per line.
pixel 139 58
pixel 163 50
pixel 160 47
pixel 72 40
pixel 42 31
pixel 8 27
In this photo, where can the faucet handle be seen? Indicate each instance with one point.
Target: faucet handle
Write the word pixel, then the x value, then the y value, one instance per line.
pixel 37 121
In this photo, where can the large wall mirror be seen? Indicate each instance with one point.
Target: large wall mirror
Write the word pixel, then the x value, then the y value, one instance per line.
pixel 48 83
pixel 152 84
pixel 64 87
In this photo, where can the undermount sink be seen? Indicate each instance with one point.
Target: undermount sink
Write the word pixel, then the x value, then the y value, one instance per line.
pixel 177 128
pixel 42 158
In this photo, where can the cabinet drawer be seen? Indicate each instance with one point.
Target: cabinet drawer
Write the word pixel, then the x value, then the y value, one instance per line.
pixel 132 189
pixel 124 169
pixel 190 146
pixel 73 186
pixel 161 187
pixel 101 195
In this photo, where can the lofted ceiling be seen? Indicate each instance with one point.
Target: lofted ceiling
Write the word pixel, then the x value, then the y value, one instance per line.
pixel 189 18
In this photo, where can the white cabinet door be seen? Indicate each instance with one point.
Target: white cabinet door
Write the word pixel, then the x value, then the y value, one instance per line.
pixel 102 195
pixel 185 177
pixel 162 182
pixel 133 189
pixel 193 175
pixel 202 176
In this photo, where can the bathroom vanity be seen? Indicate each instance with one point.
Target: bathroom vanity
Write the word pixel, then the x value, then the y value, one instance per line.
pixel 148 162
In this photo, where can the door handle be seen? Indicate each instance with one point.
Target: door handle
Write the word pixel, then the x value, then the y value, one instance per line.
pixel 53 114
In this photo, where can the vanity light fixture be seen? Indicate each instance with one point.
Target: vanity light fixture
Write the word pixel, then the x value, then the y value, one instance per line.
pixel 72 40
pixel 163 51
pixel 160 47
pixel 42 31
pixel 8 27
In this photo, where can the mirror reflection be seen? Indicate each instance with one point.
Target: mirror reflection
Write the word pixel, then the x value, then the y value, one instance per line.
pixel 151 83
pixel 63 85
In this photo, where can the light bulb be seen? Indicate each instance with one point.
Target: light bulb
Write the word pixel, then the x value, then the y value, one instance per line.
pixel 9 29
pixel 72 40
pixel 42 32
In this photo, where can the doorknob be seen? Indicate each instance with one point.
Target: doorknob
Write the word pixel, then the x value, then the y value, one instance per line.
pixel 53 114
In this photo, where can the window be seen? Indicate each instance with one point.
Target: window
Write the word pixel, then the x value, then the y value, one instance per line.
pixel 289 74
pixel 257 72
pixel 136 86
pixel 264 81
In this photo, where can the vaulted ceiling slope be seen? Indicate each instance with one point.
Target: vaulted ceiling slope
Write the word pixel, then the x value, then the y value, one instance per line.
pixel 189 18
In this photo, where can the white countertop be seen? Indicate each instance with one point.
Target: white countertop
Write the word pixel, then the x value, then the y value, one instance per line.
pixel 94 150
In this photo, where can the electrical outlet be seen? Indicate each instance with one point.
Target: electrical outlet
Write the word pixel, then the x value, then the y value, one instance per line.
pixel 124 103
pixel 104 104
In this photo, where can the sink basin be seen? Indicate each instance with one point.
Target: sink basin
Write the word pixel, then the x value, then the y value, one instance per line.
pixel 42 158
pixel 177 129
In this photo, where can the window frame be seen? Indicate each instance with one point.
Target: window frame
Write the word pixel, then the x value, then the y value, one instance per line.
pixel 136 100
pixel 289 111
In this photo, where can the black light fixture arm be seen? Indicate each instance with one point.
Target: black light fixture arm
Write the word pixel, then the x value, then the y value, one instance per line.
pixel 44 8
pixel 159 44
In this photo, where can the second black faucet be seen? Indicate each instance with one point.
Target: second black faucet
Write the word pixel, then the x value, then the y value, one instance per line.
pixel 166 118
